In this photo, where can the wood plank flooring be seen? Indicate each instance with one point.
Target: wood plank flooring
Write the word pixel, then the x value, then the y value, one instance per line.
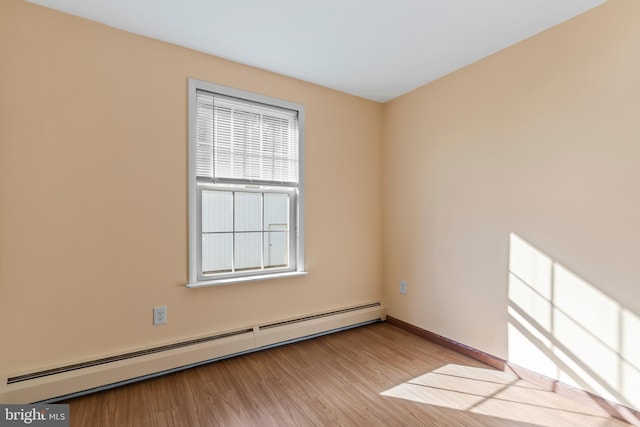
pixel 376 375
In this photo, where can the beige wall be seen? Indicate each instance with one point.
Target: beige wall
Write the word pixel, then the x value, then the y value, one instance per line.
pixel 541 140
pixel 93 190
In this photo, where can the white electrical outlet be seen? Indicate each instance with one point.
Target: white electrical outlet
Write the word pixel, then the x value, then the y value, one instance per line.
pixel 160 315
pixel 403 287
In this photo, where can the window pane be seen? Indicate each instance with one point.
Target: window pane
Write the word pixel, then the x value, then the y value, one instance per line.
pixel 276 212
pixel 217 211
pixel 204 135
pixel 246 144
pixel 223 141
pixel 246 140
pixel 248 212
pixel 216 252
pixel 248 251
pixel 275 249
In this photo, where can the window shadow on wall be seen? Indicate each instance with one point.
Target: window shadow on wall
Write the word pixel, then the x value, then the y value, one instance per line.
pixel 565 328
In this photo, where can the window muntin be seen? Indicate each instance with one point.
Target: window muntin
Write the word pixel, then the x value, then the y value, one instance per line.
pixel 245 189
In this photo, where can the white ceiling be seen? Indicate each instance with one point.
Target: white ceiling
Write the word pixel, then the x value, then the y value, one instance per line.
pixel 376 49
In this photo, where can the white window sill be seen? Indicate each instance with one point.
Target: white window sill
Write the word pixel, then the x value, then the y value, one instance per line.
pixel 228 281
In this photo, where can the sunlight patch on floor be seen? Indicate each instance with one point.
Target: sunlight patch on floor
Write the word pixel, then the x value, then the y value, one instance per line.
pixel 497 394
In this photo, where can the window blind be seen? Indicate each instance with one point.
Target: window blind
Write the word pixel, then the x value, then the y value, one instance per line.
pixel 241 141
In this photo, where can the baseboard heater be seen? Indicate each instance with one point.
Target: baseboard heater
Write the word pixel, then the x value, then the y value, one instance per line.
pixel 80 378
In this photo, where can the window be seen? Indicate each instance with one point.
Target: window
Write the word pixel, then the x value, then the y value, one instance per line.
pixel 245 186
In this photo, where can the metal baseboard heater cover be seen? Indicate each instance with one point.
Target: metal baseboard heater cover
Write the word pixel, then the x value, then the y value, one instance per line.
pixel 107 372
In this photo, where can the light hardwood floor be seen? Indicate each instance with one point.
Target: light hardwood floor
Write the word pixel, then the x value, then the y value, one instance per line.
pixel 376 375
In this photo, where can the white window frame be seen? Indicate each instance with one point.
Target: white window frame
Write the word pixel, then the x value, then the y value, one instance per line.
pixel 195 188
